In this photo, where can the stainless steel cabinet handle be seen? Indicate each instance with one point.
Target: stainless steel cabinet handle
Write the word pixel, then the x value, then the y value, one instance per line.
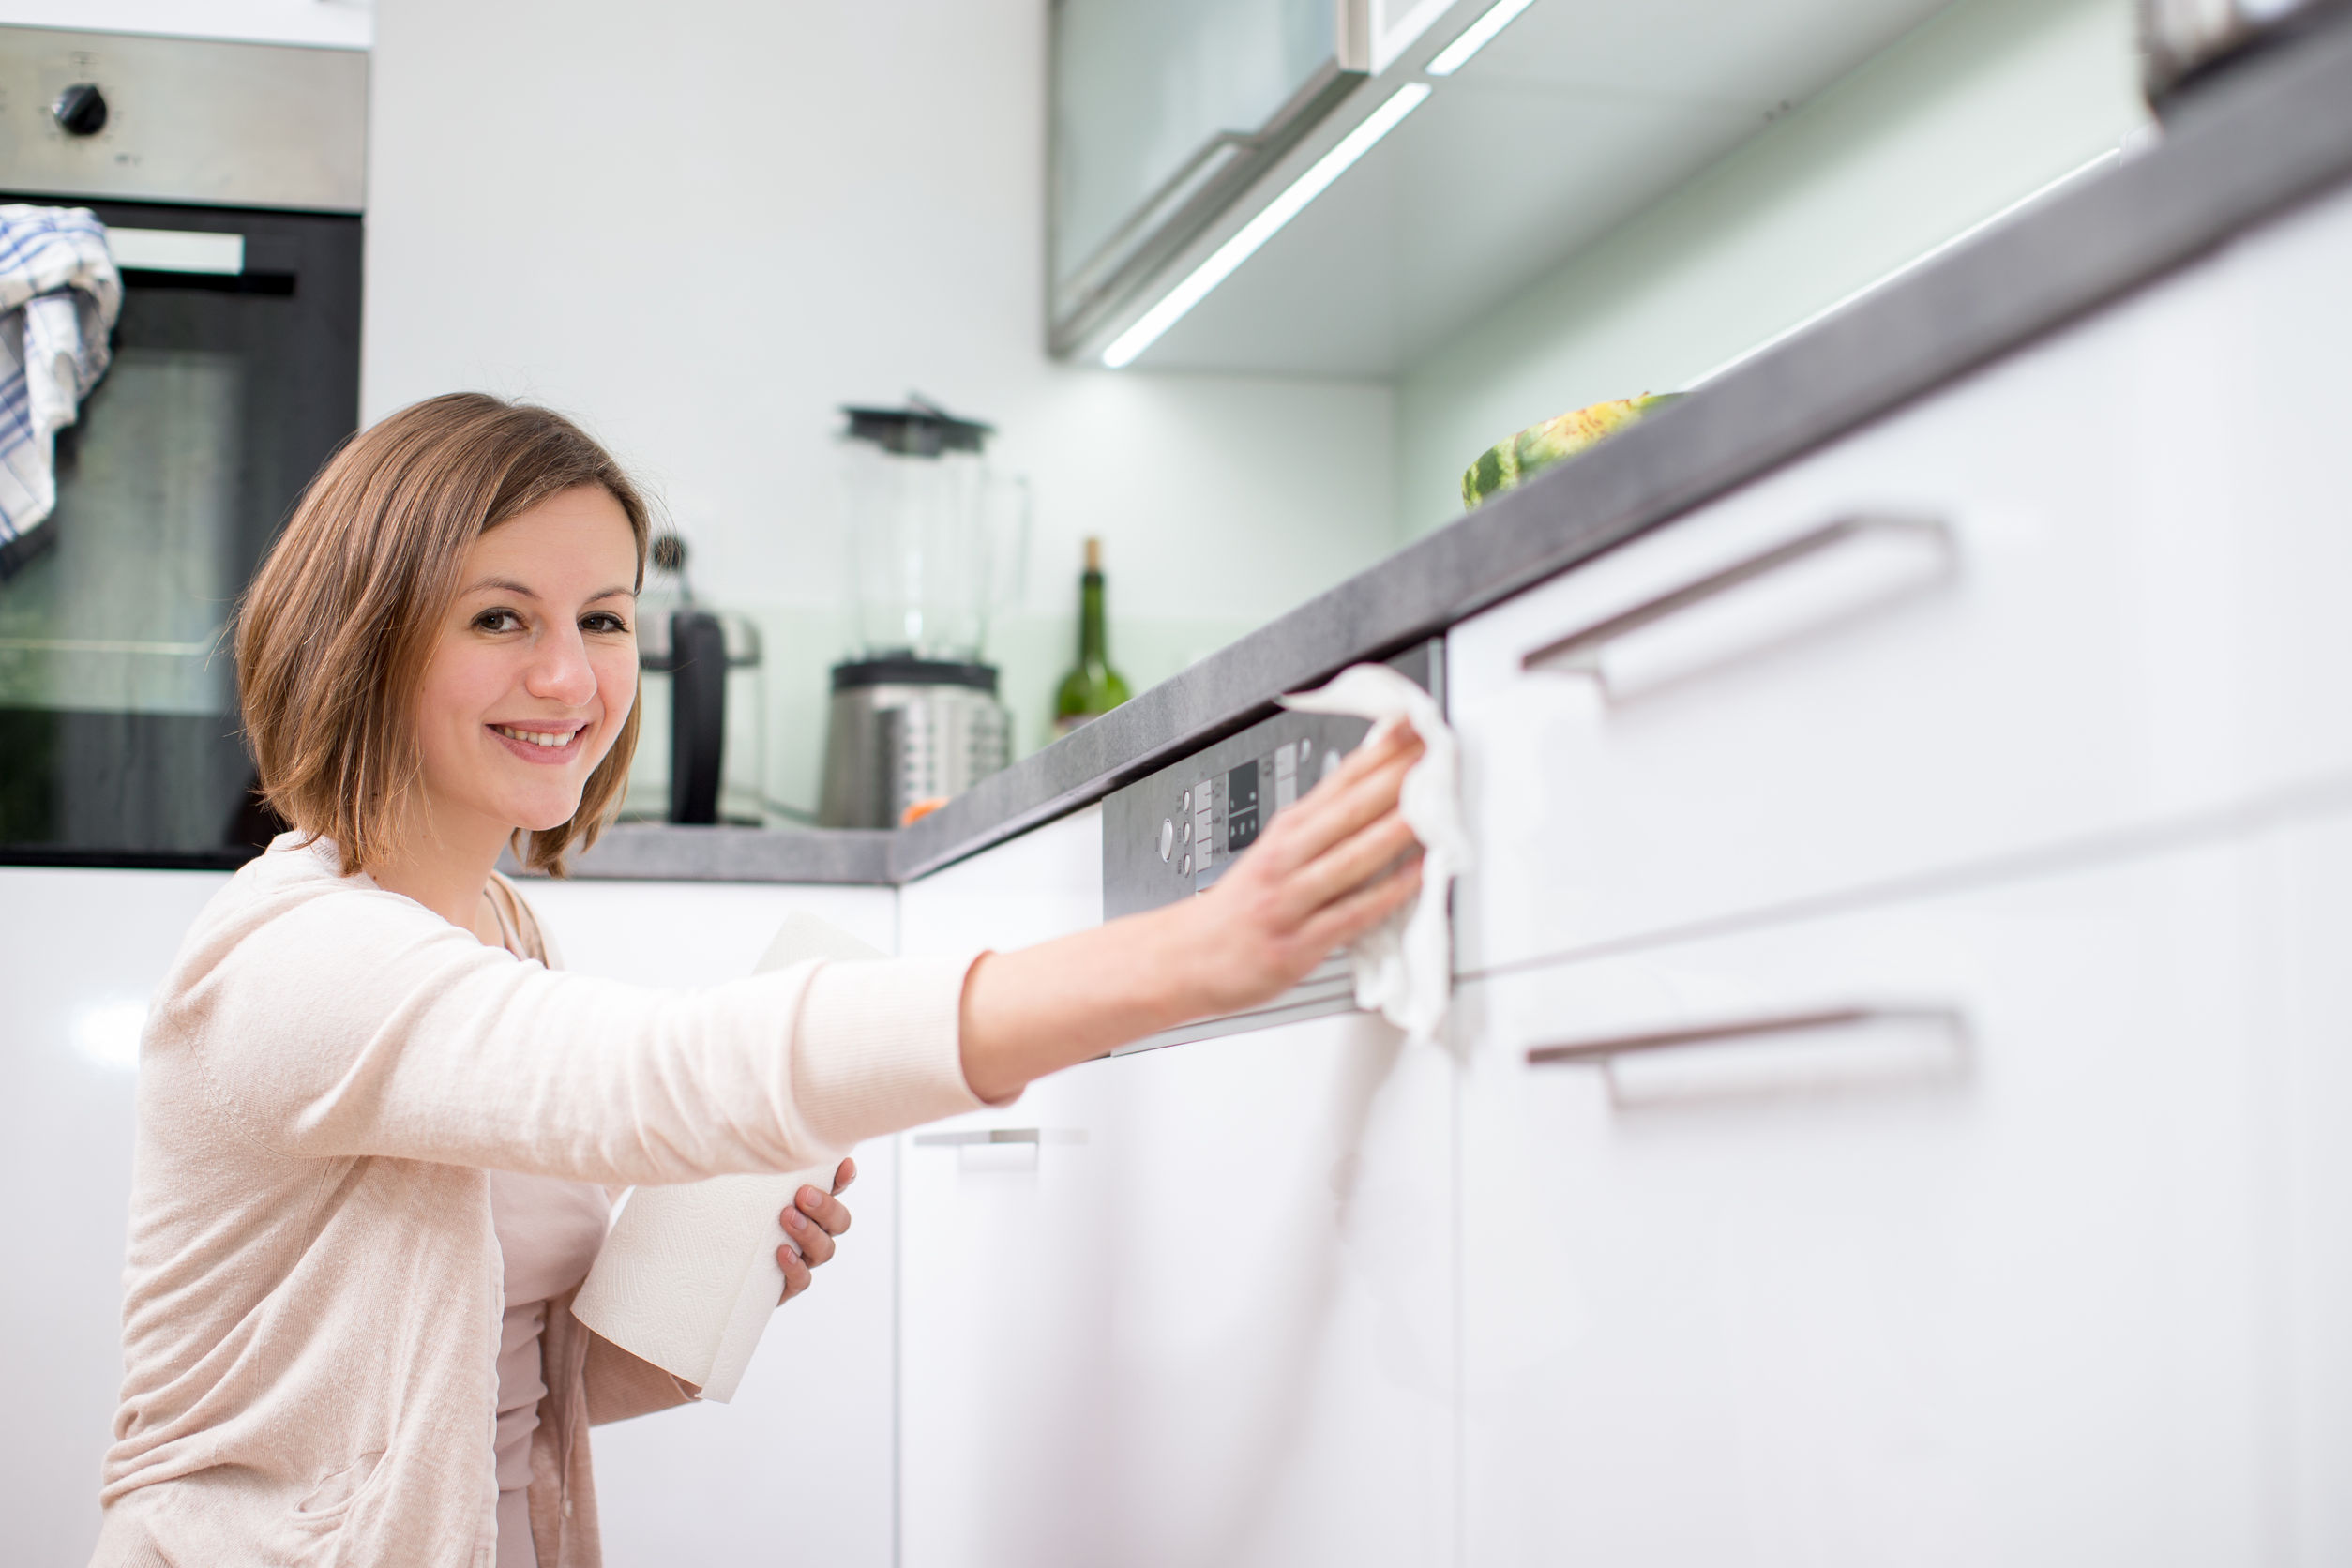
pixel 1774 1053
pixel 972 1137
pixel 1856 562
pixel 1741 1029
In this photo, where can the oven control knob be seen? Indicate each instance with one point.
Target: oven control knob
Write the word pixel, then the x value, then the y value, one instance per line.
pixel 80 109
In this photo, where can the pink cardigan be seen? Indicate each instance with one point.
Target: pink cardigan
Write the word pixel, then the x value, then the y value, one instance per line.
pixel 313 1291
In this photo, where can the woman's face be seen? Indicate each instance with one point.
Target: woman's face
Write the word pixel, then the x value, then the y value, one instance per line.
pixel 536 668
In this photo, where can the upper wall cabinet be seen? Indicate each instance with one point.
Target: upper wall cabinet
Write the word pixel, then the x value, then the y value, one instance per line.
pixel 1330 188
pixel 1164 115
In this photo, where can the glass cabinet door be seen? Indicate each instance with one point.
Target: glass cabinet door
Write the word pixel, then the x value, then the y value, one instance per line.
pixel 1162 115
pixel 119 739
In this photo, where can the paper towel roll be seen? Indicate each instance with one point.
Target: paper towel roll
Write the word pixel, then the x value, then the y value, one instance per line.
pixel 687 1276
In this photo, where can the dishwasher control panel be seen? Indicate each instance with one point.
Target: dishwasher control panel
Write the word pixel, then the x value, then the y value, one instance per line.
pixel 1172 832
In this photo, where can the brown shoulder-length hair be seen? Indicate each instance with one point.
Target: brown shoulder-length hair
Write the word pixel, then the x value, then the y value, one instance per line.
pixel 333 637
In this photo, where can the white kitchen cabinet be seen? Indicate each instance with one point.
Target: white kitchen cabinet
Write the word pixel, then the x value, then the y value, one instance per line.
pixel 697 1484
pixel 83 953
pixel 2305 939
pixel 796 1468
pixel 2041 606
pixel 1162 115
pixel 2036 1248
pixel 1193 1306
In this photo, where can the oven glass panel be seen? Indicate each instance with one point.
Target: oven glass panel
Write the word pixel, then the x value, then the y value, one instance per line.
pixel 118 730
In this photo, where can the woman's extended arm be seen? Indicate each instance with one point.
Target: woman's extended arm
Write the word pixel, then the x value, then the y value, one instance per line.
pixel 322 1018
pixel 1314 881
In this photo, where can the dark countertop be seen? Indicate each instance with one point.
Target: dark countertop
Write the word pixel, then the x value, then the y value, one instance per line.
pixel 2258 139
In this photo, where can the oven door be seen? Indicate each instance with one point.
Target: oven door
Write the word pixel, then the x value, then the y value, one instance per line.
pixel 236 373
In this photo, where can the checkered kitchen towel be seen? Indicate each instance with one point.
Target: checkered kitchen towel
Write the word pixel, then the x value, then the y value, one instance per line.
pixel 59 295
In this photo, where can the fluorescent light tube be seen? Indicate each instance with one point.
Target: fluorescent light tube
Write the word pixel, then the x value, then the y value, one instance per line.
pixel 1477 36
pixel 1226 258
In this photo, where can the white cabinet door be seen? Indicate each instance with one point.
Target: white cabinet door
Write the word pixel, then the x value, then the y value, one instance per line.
pixel 700 1485
pixel 1978 1268
pixel 1191 1306
pixel 1201 1315
pixel 81 954
pixel 2306 1004
pixel 2064 613
pixel 1000 1317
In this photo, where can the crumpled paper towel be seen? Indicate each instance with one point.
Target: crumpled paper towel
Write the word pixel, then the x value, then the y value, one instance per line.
pixel 687 1277
pixel 1404 966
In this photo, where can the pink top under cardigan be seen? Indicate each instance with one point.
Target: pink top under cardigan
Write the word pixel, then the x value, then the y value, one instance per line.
pixel 313 1290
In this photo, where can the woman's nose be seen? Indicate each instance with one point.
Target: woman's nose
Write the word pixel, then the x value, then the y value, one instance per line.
pixel 561 672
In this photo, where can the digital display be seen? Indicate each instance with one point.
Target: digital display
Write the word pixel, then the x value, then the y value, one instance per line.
pixel 1240 807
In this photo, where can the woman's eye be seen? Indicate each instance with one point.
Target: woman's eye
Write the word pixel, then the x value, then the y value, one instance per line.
pixel 498 620
pixel 603 621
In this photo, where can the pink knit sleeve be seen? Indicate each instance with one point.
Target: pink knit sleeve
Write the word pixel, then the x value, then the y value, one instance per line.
pixel 359 1023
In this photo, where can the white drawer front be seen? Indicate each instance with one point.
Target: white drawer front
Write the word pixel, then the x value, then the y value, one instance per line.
pixel 1989 1263
pixel 2093 589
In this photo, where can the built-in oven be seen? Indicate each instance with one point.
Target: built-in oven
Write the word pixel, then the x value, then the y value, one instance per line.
pixel 229 177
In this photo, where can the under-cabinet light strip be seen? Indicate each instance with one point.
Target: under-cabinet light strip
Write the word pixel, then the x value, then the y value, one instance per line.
pixel 1226 258
pixel 1454 56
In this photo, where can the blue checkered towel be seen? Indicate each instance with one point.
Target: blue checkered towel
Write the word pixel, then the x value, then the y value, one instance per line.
pixel 59 295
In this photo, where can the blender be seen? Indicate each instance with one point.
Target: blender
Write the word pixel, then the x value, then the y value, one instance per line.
pixel 936 543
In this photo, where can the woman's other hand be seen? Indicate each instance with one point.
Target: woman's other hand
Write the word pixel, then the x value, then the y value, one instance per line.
pixel 812 1222
pixel 1321 874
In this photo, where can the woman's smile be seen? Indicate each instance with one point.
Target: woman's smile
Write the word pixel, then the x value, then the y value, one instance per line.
pixel 541 741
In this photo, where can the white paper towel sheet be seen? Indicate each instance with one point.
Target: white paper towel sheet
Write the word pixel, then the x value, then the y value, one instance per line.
pixel 687 1277
pixel 1404 966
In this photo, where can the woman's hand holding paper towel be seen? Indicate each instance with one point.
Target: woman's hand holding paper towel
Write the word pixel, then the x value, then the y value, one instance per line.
pixel 1321 874
pixel 814 1219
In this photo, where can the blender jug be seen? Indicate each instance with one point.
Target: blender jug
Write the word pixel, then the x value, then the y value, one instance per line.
pixel 936 543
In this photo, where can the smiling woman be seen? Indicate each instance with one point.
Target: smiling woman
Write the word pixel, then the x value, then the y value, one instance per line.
pixel 412 606
pixel 377 1124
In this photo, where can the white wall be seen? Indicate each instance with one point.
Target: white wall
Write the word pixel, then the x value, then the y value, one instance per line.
pixel 701 227
pixel 1985 104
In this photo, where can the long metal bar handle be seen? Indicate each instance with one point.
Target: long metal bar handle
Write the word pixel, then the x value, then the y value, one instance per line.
pixel 980 1137
pixel 1765 1027
pixel 1578 647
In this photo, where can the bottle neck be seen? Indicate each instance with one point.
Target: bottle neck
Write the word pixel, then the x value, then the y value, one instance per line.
pixel 1094 635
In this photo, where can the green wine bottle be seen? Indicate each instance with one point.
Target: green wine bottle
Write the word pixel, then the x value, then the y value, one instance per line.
pixel 1093 688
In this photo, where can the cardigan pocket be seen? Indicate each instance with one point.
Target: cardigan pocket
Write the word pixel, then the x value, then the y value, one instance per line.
pixel 331 1498
pixel 310 1531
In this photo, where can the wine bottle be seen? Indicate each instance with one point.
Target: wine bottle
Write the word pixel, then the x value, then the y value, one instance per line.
pixel 1093 689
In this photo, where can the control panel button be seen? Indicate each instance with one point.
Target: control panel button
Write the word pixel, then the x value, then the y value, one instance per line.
pixel 1168 838
pixel 1185 865
pixel 80 110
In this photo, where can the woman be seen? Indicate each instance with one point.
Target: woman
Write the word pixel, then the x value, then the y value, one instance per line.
pixel 375 1121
